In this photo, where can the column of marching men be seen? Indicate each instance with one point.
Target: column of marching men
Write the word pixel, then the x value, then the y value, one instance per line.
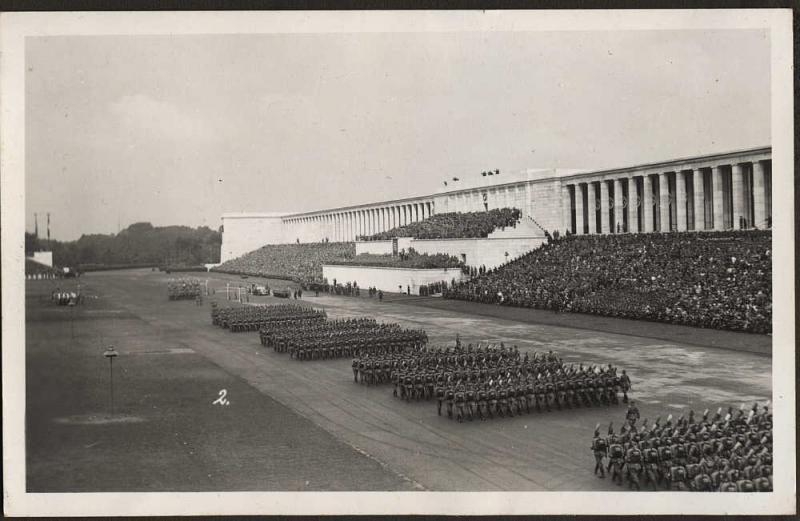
pixel 184 288
pixel 307 334
pixel 726 453
pixel 338 338
pixel 490 381
pixel 240 319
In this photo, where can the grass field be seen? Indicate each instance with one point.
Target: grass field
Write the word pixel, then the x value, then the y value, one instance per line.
pixel 305 425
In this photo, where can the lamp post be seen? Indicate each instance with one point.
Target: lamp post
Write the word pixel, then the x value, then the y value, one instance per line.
pixel 111 354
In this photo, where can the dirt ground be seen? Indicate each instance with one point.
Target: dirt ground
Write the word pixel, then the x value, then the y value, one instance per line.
pixel 294 425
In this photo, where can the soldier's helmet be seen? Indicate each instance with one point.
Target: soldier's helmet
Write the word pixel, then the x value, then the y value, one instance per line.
pixel 746 485
pixel 763 484
pixel 728 487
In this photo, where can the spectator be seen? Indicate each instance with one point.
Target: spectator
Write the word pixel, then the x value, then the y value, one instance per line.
pixel 454 225
pixel 719 280
pixel 298 262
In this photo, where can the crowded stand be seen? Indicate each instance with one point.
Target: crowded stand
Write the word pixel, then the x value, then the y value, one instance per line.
pixel 298 262
pixel 239 319
pixel 491 381
pixel 410 259
pixel 453 225
pixel 327 339
pixel 729 452
pixel 184 289
pixel 719 280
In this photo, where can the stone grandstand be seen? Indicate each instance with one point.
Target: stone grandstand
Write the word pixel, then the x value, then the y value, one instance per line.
pixel 720 280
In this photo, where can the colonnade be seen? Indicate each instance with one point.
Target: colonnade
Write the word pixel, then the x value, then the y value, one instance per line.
pixel 718 196
pixel 346 224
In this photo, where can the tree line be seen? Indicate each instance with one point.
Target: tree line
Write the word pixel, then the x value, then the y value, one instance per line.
pixel 139 244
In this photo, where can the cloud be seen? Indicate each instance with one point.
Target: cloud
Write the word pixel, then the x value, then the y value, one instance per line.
pixel 160 119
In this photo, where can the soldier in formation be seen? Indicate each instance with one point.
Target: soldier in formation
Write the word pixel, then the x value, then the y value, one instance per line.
pixel 326 339
pixel 726 453
pixel 490 381
pixel 250 318
pixel 183 289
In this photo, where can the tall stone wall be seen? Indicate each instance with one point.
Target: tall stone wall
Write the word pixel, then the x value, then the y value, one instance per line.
pixel 390 279
pixel 489 252
pixel 243 233
pixel 479 252
pixel 546 205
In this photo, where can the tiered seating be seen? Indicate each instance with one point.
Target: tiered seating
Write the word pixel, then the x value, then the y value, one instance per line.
pixel 454 225
pixel 298 262
pixel 720 280
pixel 250 318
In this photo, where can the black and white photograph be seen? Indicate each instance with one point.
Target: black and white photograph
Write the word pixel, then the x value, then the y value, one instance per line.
pixel 470 262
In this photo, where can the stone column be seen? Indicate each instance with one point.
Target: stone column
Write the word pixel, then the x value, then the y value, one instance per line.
pixel 737 185
pixel 680 200
pixel 566 214
pixel 619 220
pixel 759 196
pixel 716 180
pixel 604 215
pixel 699 200
pixel 663 201
pixel 591 207
pixel 633 206
pixel 578 209
pixel 647 203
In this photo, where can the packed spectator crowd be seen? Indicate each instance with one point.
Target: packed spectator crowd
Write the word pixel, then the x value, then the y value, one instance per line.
pixel 491 381
pixel 730 453
pixel 719 280
pixel 410 259
pixel 298 262
pixel 453 225
pixel 433 288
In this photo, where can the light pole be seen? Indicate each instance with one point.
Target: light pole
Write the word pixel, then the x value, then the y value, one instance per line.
pixel 111 354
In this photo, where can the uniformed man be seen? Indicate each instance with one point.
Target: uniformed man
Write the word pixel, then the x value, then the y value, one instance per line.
pixel 632 415
pixel 600 450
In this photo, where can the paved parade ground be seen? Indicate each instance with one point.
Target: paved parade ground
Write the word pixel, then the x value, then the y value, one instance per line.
pixel 293 425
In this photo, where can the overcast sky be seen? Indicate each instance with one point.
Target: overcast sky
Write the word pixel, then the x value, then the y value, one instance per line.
pixel 178 130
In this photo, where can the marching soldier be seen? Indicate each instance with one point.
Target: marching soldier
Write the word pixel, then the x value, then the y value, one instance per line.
pixel 600 450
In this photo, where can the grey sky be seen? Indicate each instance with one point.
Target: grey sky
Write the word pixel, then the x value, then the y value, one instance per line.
pixel 177 130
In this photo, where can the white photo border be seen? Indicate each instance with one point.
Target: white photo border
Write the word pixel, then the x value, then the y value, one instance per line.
pixel 16 27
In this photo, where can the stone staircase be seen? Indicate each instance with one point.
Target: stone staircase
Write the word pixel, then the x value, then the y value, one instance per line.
pixel 526 227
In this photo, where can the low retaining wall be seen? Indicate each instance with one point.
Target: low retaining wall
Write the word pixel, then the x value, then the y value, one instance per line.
pixel 489 252
pixel 389 279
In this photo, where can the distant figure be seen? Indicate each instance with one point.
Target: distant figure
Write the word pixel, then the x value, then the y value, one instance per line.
pixel 408 290
pixel 380 295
